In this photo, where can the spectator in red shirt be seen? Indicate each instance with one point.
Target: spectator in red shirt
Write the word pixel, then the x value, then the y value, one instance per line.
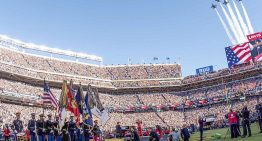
pixel 159 131
pixel 6 132
pixel 139 127
pixel 232 119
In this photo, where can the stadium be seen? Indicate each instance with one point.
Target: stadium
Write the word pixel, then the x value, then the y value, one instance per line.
pixel 122 101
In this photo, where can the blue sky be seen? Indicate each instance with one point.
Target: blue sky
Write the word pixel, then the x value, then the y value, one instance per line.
pixel 120 29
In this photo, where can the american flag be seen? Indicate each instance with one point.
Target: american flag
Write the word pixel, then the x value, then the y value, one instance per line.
pixel 48 97
pixel 238 54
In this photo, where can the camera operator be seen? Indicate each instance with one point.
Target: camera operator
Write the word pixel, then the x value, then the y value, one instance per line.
pixel 259 112
pixel 245 122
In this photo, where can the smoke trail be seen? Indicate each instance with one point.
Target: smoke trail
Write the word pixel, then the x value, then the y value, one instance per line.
pixel 242 23
pixel 230 24
pixel 251 30
pixel 236 24
pixel 226 28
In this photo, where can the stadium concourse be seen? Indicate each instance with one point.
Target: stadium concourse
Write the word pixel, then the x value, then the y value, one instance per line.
pixel 156 94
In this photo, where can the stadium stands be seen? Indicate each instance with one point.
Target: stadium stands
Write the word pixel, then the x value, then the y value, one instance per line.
pixel 152 93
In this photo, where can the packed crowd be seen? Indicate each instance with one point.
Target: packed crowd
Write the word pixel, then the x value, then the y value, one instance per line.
pixel 56 69
pixel 233 89
pixel 223 72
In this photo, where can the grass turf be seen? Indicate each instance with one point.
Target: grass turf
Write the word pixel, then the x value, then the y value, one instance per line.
pixel 256 136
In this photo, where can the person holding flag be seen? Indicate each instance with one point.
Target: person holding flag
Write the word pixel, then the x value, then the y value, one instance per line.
pixel 85 111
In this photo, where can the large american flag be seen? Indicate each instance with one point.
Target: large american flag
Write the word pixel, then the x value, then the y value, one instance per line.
pixel 238 54
pixel 48 97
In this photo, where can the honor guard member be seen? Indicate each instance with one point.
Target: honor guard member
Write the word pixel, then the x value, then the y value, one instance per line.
pixel 86 130
pixel 49 128
pixel 18 124
pixel 32 127
pixel 72 128
pixel 79 132
pixel 65 134
pixel 57 134
pixel 40 126
pixel 96 131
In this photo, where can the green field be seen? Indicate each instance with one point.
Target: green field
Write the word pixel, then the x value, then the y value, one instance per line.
pixel 256 136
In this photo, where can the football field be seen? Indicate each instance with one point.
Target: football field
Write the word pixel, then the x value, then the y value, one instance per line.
pixel 210 135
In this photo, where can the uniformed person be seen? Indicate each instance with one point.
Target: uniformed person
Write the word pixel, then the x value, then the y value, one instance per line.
pixel 96 131
pixel 49 128
pixel 32 127
pixel 57 134
pixel 18 125
pixel 86 130
pixel 79 132
pixel 72 128
pixel 40 126
pixel 65 134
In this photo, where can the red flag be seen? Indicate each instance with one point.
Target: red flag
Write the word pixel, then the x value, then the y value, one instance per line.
pixel 72 105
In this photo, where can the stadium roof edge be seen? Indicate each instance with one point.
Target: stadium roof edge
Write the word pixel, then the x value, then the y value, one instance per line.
pixel 134 65
pixel 44 48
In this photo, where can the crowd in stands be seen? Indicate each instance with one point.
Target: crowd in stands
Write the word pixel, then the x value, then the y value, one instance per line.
pixel 14 61
pixel 23 88
pixel 114 76
pixel 223 72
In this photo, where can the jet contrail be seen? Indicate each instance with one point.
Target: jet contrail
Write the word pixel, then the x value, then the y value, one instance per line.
pixel 230 24
pixel 251 30
pixel 226 28
pixel 242 23
pixel 236 24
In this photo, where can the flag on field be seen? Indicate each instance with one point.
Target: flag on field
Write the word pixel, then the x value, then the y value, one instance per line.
pixel 63 104
pixel 48 97
pixel 87 114
pixel 238 54
pixel 80 99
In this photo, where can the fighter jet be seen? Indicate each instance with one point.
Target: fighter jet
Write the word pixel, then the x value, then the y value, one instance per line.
pixel 213 6
pixel 226 2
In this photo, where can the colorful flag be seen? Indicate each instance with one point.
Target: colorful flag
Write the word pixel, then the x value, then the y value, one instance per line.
pixel 96 106
pixel 71 103
pixel 80 99
pixel 63 104
pixel 238 54
pixel 87 114
pixel 48 97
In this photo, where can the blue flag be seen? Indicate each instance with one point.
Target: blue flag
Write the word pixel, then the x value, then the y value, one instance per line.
pixel 79 100
pixel 87 114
